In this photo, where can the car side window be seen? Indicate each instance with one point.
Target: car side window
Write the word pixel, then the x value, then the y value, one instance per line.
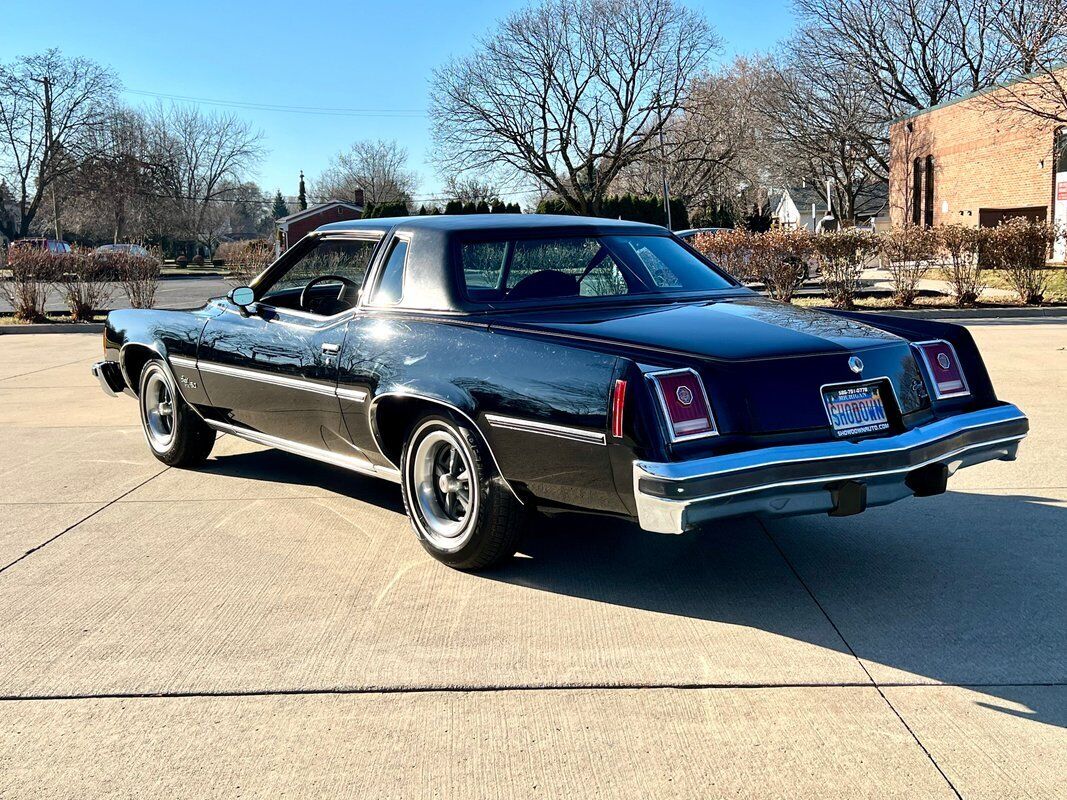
pixel 390 286
pixel 348 258
pixel 344 258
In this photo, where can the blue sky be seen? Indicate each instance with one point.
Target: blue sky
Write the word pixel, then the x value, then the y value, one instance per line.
pixel 323 54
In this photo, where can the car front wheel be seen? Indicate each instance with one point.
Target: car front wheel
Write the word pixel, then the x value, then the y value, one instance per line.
pixel 463 513
pixel 176 434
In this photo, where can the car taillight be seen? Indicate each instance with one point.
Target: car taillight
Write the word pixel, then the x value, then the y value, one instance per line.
pixel 685 404
pixel 944 368
pixel 618 404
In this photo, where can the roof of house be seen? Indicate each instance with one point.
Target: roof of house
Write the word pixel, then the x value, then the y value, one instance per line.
pixel 871 200
pixel 316 209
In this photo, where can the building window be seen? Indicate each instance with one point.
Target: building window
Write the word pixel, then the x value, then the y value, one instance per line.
pixel 928 200
pixel 916 192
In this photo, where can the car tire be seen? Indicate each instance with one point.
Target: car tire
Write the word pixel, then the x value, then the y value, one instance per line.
pixel 176 434
pixel 462 511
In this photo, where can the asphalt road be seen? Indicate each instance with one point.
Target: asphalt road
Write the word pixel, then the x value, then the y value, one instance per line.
pixel 173 292
pixel 268 626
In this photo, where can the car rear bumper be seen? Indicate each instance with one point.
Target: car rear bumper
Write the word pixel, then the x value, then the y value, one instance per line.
pixel 838 477
pixel 110 376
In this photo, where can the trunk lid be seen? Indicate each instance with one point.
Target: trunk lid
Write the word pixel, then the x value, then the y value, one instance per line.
pixel 731 329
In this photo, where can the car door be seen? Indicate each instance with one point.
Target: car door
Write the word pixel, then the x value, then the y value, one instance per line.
pixel 272 366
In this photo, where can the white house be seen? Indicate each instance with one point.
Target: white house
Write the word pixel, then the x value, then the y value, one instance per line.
pixel 805 207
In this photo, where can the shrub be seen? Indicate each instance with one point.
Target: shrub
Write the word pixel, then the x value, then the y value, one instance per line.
pixel 841 255
pixel 730 250
pixel 246 259
pixel 87 282
pixel 907 252
pixel 1021 247
pixel 139 276
pixel 961 245
pixel 32 271
pixel 776 258
pixel 198 260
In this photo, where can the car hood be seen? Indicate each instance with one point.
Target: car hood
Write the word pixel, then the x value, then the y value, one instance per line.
pixel 729 329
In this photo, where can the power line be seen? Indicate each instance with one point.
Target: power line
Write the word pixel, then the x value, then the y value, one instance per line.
pixel 327 111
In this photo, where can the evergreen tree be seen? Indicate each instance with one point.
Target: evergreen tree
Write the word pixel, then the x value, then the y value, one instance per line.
pixel 454 207
pixel 279 209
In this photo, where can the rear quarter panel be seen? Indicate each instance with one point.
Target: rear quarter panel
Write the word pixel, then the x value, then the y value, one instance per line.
pixel 484 374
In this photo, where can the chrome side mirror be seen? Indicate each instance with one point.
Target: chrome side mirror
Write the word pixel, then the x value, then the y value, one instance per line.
pixel 243 296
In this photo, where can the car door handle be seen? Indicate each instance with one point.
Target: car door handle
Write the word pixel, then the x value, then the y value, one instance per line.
pixel 331 348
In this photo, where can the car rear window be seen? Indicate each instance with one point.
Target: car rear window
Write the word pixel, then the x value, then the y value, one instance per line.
pixel 582 266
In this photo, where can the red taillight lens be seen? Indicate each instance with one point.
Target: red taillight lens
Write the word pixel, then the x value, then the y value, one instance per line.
pixel 685 404
pixel 618 404
pixel 943 367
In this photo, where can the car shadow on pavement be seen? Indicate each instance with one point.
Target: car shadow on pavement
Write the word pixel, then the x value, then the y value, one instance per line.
pixel 277 466
pixel 965 589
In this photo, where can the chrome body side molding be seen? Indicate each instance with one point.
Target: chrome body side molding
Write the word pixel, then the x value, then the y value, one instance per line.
pixel 355 395
pixel 797 479
pixel 546 429
pixel 182 361
pixel 354 463
pixel 264 377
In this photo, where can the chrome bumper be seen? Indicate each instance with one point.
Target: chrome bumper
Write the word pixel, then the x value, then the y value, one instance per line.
pixel 807 479
pixel 110 376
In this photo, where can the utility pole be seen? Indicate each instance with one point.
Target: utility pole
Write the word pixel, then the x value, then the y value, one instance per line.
pixel 663 169
pixel 46 82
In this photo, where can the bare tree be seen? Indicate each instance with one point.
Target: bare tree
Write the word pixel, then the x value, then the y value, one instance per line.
pixel 50 107
pixel 113 191
pixel 918 53
pixel 378 167
pixel 204 157
pixel 568 92
pixel 825 124
pixel 716 147
pixel 471 190
pixel 1040 95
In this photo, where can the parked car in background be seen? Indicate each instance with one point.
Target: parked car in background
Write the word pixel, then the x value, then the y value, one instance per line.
pixel 130 249
pixel 496 364
pixel 689 233
pixel 50 245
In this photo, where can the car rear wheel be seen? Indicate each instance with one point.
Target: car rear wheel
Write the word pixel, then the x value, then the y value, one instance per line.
pixel 463 513
pixel 176 434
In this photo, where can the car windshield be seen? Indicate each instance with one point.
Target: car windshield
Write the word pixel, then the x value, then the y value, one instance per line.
pixel 558 268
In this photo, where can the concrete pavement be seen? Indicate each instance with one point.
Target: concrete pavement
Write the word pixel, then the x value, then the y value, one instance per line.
pixel 268 626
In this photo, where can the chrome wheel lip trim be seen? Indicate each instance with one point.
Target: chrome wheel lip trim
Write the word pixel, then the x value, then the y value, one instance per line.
pixel 546 429
pixel 372 414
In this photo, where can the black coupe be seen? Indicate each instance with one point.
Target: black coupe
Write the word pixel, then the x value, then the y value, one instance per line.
pixel 497 364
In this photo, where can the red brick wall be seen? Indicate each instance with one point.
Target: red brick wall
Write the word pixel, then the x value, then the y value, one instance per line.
pixel 983 157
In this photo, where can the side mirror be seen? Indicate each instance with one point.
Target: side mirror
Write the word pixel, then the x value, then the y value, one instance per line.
pixel 243 296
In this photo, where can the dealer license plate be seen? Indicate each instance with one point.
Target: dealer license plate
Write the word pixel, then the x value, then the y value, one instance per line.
pixel 855 410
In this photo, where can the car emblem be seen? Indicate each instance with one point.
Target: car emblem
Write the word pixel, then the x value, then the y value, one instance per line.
pixel 943 361
pixel 855 364
pixel 684 395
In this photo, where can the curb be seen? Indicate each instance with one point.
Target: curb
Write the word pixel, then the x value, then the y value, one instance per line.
pixel 53 327
pixel 1055 312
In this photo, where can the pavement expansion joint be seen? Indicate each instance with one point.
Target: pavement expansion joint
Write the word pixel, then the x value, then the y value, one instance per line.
pixel 87 517
pixel 859 660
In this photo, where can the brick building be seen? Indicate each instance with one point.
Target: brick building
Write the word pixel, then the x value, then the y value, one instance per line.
pixel 970 162
pixel 291 229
